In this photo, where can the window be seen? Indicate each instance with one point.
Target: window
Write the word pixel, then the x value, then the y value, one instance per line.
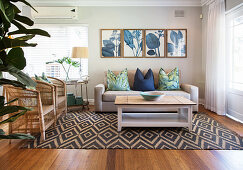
pixel 63 38
pixel 237 53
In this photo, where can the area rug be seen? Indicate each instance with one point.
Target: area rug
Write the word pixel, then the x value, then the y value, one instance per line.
pixel 90 130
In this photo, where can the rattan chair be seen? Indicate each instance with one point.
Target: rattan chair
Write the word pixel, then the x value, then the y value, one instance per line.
pixel 43 113
pixel 61 95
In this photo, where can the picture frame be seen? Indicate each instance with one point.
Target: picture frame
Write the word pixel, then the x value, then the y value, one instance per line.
pixel 155 43
pixel 111 43
pixel 176 43
pixel 133 43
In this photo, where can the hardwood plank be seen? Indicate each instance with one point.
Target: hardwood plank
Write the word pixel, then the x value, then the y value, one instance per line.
pixel 11 157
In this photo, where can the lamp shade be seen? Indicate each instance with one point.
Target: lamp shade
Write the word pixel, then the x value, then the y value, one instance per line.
pixel 80 52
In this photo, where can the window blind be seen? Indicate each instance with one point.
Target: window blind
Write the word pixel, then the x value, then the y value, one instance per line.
pixel 59 45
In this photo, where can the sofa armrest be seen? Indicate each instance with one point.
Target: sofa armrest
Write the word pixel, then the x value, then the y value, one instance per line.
pixel 194 94
pixel 98 92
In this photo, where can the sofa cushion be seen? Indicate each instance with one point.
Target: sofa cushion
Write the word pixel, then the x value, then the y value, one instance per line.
pixel 176 93
pixel 143 83
pixel 110 96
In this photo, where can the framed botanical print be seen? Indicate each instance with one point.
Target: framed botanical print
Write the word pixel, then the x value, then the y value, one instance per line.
pixel 177 43
pixel 110 43
pixel 155 42
pixel 133 42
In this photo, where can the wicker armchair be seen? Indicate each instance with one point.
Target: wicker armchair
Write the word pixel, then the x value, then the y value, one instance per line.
pixel 42 115
pixel 61 95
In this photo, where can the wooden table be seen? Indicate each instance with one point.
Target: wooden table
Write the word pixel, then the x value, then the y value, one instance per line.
pixel 181 118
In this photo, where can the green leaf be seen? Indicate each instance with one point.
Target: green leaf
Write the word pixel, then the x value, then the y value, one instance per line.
pixel 11 101
pixel 6 43
pixel 12 109
pixel 13 118
pixel 9 10
pixel 2 10
pixel 25 38
pixel 22 77
pixel 17 136
pixel 30 31
pixel 11 82
pixel 2 98
pixel 28 4
pixel 24 20
pixel 18 25
pixel 16 58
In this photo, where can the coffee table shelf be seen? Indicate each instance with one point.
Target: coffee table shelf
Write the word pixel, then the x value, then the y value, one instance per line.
pixel 183 117
pixel 153 120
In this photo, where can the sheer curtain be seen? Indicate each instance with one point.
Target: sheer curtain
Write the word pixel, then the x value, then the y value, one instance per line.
pixel 215 85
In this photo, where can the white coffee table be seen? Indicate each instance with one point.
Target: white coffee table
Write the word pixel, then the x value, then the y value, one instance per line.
pixel 183 117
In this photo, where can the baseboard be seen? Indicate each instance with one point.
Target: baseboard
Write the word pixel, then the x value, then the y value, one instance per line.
pixel 91 101
pixel 201 101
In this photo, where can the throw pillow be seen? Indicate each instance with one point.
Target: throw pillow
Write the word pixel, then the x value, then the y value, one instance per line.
pixel 144 83
pixel 119 82
pixel 169 81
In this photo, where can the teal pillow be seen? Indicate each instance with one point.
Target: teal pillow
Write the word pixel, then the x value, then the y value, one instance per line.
pixel 119 82
pixel 169 81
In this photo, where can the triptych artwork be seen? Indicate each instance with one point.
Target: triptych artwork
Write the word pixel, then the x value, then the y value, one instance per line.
pixel 139 43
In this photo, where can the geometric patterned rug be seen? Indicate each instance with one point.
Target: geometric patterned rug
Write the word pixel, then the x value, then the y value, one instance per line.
pixel 90 130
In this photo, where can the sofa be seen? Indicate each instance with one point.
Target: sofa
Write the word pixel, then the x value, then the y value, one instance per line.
pixel 104 100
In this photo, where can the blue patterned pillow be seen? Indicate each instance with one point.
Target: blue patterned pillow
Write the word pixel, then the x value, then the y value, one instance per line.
pixel 169 81
pixel 119 82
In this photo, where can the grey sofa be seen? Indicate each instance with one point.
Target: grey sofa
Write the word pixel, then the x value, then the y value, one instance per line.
pixel 104 100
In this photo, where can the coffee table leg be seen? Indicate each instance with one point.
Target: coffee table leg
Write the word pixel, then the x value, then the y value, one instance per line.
pixel 190 118
pixel 119 119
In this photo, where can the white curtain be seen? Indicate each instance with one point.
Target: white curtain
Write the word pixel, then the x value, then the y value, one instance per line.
pixel 215 95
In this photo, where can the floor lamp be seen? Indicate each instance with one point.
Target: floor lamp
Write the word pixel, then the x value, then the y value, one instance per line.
pixel 80 52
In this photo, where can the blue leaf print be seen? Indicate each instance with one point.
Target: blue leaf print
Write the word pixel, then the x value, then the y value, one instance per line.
pixel 111 46
pixel 171 48
pixel 128 38
pixel 151 52
pixel 180 35
pixel 174 38
pixel 152 41
pixel 141 45
pixel 107 52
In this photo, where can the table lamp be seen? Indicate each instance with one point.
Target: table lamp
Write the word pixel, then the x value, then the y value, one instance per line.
pixel 80 52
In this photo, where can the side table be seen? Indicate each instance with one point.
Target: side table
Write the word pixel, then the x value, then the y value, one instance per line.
pixel 81 83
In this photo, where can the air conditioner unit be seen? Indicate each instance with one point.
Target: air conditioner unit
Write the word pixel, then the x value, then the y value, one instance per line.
pixel 55 13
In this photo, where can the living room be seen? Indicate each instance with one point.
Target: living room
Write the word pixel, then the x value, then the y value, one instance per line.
pixel 118 84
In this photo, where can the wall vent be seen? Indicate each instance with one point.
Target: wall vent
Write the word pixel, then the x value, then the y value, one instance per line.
pixel 179 13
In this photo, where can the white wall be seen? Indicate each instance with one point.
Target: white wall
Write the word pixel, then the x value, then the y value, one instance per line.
pixel 232 3
pixel 142 17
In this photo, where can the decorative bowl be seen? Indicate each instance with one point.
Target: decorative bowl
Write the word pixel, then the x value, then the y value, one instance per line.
pixel 152 96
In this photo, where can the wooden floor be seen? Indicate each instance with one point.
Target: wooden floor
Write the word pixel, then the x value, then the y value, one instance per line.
pixel 13 158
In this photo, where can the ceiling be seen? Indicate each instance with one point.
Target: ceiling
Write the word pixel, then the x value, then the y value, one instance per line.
pixel 115 2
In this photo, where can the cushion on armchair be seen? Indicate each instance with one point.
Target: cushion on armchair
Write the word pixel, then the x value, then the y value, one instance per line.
pixel 143 83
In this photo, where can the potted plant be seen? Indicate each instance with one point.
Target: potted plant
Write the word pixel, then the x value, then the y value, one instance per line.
pixel 66 61
pixel 12 58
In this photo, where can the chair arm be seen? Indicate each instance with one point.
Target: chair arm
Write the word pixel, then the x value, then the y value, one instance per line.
pixel 59 84
pixel 98 92
pixel 47 92
pixel 194 93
